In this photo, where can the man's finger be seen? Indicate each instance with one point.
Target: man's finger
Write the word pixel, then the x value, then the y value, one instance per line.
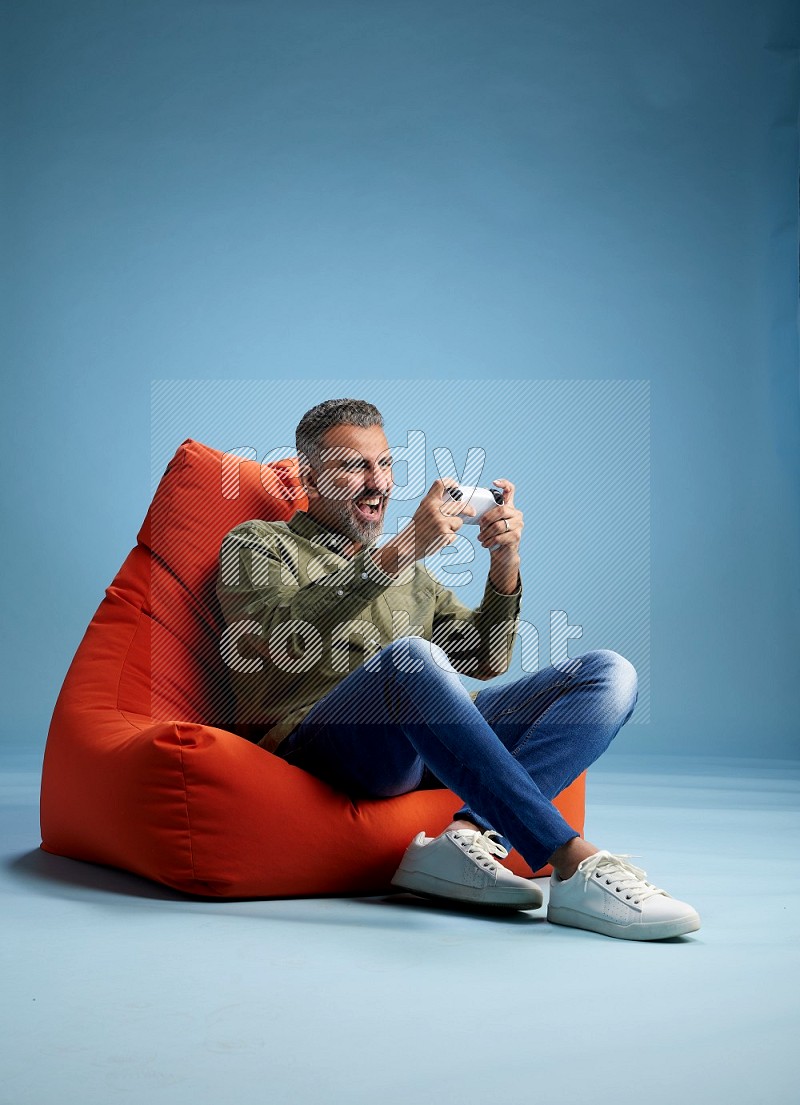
pixel 508 491
pixel 441 484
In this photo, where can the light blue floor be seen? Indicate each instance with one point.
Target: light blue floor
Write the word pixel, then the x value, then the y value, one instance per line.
pixel 117 990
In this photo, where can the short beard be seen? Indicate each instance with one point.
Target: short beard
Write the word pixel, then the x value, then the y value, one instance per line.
pixel 361 533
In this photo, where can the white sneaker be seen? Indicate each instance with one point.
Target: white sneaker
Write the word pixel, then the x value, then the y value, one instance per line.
pixel 609 895
pixel 459 865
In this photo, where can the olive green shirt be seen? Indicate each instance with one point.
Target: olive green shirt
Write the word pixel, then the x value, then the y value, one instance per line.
pixel 300 616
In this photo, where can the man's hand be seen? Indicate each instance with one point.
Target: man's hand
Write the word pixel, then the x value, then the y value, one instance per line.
pixel 500 531
pixel 434 525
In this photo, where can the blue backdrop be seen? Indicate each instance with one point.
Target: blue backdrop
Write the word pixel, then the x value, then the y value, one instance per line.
pixel 570 231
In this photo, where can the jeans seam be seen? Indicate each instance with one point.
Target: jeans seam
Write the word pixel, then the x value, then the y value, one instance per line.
pixel 532 726
pixel 527 701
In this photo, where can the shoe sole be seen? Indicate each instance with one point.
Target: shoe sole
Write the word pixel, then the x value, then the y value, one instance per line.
pixel 654 930
pixel 428 886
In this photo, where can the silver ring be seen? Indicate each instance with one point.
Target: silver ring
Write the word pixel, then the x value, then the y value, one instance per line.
pixel 507 525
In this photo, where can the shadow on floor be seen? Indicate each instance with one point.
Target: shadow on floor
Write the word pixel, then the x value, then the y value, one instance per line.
pixel 76 879
pixel 42 867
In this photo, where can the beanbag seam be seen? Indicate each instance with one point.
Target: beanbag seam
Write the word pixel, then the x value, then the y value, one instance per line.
pixel 186 801
pixel 123 666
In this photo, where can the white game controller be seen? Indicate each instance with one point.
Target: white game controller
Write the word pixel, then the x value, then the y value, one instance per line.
pixel 482 498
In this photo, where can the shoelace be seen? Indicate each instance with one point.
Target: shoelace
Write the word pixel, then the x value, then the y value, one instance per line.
pixel 626 878
pixel 482 845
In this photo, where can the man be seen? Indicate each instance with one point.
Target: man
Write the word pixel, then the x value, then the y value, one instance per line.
pixel 350 655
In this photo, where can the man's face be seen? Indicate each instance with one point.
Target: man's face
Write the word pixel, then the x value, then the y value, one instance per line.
pixel 356 468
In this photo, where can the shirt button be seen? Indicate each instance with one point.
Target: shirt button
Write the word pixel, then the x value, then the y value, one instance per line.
pixel 340 592
pixel 364 575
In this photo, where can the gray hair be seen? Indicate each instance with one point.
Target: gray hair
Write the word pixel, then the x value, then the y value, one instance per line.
pixel 315 423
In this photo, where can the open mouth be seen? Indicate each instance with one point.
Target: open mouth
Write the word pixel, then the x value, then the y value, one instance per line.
pixel 369 510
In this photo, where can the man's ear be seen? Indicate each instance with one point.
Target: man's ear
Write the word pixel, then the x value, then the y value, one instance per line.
pixel 309 479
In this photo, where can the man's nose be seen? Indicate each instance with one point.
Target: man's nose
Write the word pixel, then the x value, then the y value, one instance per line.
pixel 378 480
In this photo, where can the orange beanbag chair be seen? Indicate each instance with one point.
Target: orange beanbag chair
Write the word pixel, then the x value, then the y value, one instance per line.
pixel 144 767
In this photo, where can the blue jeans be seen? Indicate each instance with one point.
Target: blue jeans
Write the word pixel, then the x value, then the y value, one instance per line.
pixel 405 713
